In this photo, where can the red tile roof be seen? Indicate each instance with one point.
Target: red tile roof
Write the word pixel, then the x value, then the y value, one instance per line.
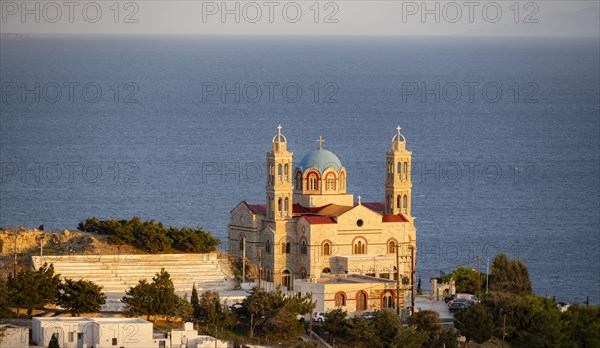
pixel 313 220
pixel 394 218
pixel 378 207
pixel 332 210
pixel 260 209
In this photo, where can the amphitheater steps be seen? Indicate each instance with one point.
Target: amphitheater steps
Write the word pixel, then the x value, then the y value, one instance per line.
pixel 117 273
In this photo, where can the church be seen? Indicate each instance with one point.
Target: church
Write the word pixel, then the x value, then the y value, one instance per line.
pixel 310 227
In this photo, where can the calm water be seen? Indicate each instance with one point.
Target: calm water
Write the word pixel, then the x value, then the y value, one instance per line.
pixel 518 175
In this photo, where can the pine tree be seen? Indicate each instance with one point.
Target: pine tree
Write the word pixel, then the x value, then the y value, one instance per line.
pixel 34 288
pixel 80 296
pixel 475 323
pixel 53 342
pixel 153 298
pixel 510 276
pixel 197 310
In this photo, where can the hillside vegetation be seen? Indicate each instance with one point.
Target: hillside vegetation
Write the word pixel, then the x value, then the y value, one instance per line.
pixel 152 236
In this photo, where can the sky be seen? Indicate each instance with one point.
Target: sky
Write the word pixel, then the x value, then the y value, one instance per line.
pixel 342 17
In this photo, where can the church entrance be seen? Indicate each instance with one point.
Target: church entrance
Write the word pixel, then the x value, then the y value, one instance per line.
pixel 286 279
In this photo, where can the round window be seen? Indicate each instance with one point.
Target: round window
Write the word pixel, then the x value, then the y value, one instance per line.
pixel 359 222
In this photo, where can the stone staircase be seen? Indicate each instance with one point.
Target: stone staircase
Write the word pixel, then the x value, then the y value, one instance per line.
pixel 117 273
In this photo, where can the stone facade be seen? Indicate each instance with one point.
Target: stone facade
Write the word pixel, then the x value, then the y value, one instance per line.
pixel 352 293
pixel 311 226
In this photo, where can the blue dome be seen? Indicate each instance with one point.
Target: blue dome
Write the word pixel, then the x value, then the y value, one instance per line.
pixel 320 159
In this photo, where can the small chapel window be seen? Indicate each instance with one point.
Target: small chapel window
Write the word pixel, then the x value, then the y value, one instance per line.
pixel 313 182
pixel 388 300
pixel 359 247
pixel 268 247
pixel 391 247
pixel 340 299
pixel 330 182
pixel 303 248
pixel 326 249
pixel 361 301
pixel 298 181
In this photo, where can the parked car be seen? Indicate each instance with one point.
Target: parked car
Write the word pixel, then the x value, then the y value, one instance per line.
pixel 319 317
pixel 459 300
pixel 461 295
pixel 367 315
pixel 456 306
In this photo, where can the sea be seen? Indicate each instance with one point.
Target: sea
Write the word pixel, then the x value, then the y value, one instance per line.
pixel 504 134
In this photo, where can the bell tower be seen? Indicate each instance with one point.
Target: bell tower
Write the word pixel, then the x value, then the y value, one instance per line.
pixel 279 181
pixel 398 183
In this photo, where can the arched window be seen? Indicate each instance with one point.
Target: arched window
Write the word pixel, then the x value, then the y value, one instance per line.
pixel 279 170
pixel 405 170
pixel 361 301
pixel 398 202
pixel 399 171
pixel 387 300
pixel 287 205
pixel 405 204
pixel 330 180
pixel 268 247
pixel 279 204
pixel 286 169
pixel 241 243
pixel 391 247
pixel 313 182
pixel 303 273
pixel 303 247
pixel 326 248
pixel 340 299
pixel 326 270
pixel 359 247
pixel 286 278
pixel 299 181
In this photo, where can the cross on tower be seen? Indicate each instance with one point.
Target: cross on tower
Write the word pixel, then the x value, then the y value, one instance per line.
pixel 398 128
pixel 279 132
pixel 359 197
pixel 320 141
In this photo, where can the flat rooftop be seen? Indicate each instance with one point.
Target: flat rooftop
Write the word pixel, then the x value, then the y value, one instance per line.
pixel 349 279
pixel 91 320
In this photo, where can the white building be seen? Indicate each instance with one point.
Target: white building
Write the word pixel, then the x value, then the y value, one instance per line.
pixel 12 336
pixel 189 338
pixel 83 332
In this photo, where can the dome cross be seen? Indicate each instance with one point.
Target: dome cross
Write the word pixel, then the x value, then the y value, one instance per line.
pixel 320 141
